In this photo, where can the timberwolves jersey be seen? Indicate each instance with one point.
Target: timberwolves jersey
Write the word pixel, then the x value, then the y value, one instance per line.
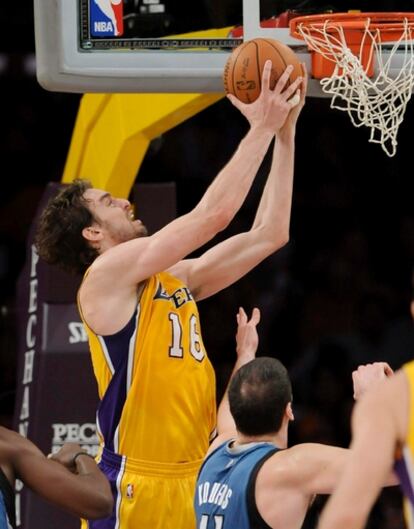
pixel 7 514
pixel 405 460
pixel 224 497
pixel 155 382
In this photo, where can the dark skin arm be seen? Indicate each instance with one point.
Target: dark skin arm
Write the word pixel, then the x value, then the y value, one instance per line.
pixel 84 492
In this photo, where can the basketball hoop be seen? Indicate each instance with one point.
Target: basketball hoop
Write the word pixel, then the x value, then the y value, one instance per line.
pixel 348 58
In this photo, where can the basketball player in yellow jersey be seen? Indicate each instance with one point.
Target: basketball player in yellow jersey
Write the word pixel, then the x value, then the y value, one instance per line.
pixel 137 300
pixel 383 438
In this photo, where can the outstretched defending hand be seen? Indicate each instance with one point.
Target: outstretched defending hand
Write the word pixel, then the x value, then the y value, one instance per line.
pixel 272 107
pixel 247 338
pixel 369 375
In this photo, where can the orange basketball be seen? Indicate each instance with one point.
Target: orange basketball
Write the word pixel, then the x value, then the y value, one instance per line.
pixel 244 68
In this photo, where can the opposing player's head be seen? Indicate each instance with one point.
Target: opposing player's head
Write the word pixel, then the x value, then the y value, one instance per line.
pixel 260 394
pixel 80 223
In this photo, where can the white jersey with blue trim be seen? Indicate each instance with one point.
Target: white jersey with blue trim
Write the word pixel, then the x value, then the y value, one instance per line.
pixel 224 497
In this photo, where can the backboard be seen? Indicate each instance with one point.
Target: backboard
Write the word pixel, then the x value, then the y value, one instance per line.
pixel 89 46
pixel 92 46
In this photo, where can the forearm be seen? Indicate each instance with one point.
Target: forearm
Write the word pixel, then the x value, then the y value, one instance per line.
pixel 270 114
pixel 85 494
pixel 95 483
pixel 273 213
pixel 341 518
pixel 231 186
pixel 338 513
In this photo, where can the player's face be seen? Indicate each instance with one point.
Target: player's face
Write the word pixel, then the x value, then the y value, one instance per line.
pixel 114 215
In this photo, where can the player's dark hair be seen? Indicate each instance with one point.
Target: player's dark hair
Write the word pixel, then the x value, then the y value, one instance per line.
pixel 58 238
pixel 258 395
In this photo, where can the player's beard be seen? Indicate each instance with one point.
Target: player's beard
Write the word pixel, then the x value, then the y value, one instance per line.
pixel 142 230
pixel 133 230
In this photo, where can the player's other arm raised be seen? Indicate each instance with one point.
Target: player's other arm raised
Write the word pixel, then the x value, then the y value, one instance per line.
pixel 226 262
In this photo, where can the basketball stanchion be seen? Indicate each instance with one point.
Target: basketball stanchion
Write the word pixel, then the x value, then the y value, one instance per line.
pixel 355 67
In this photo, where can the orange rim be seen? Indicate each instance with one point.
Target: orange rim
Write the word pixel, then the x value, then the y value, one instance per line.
pixel 390 25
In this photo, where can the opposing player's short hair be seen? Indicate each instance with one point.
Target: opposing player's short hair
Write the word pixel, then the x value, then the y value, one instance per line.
pixel 59 240
pixel 258 395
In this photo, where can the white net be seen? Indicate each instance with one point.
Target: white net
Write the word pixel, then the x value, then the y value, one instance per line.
pixel 378 102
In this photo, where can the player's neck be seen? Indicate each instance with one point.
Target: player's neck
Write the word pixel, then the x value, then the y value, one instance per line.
pixel 279 438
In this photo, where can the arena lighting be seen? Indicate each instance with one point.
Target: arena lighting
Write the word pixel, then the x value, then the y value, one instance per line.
pixel 29 65
pixel 17 65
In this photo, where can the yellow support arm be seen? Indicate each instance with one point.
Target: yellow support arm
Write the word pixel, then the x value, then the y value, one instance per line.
pixel 113 131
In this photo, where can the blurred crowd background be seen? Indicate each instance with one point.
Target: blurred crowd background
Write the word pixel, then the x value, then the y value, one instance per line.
pixel 336 296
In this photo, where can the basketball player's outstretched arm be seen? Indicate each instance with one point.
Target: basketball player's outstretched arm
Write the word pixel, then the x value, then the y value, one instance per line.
pixel 247 341
pixel 136 260
pixel 379 425
pixel 226 262
pixel 313 468
pixel 85 493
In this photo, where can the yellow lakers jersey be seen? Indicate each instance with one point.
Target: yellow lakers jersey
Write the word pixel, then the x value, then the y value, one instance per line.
pixel 155 382
pixel 404 465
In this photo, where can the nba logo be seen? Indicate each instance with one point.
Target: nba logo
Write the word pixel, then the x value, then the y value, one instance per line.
pixel 106 18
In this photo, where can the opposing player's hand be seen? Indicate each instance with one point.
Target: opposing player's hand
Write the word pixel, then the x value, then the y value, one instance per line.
pixel 369 375
pixel 272 107
pixel 247 338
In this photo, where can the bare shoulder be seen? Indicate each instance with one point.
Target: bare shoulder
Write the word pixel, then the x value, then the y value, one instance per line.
pixel 104 308
pixel 120 262
pixel 280 481
pixel 98 272
pixel 282 466
pixel 301 464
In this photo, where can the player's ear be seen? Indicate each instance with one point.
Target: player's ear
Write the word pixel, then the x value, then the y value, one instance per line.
pixel 92 233
pixel 289 411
